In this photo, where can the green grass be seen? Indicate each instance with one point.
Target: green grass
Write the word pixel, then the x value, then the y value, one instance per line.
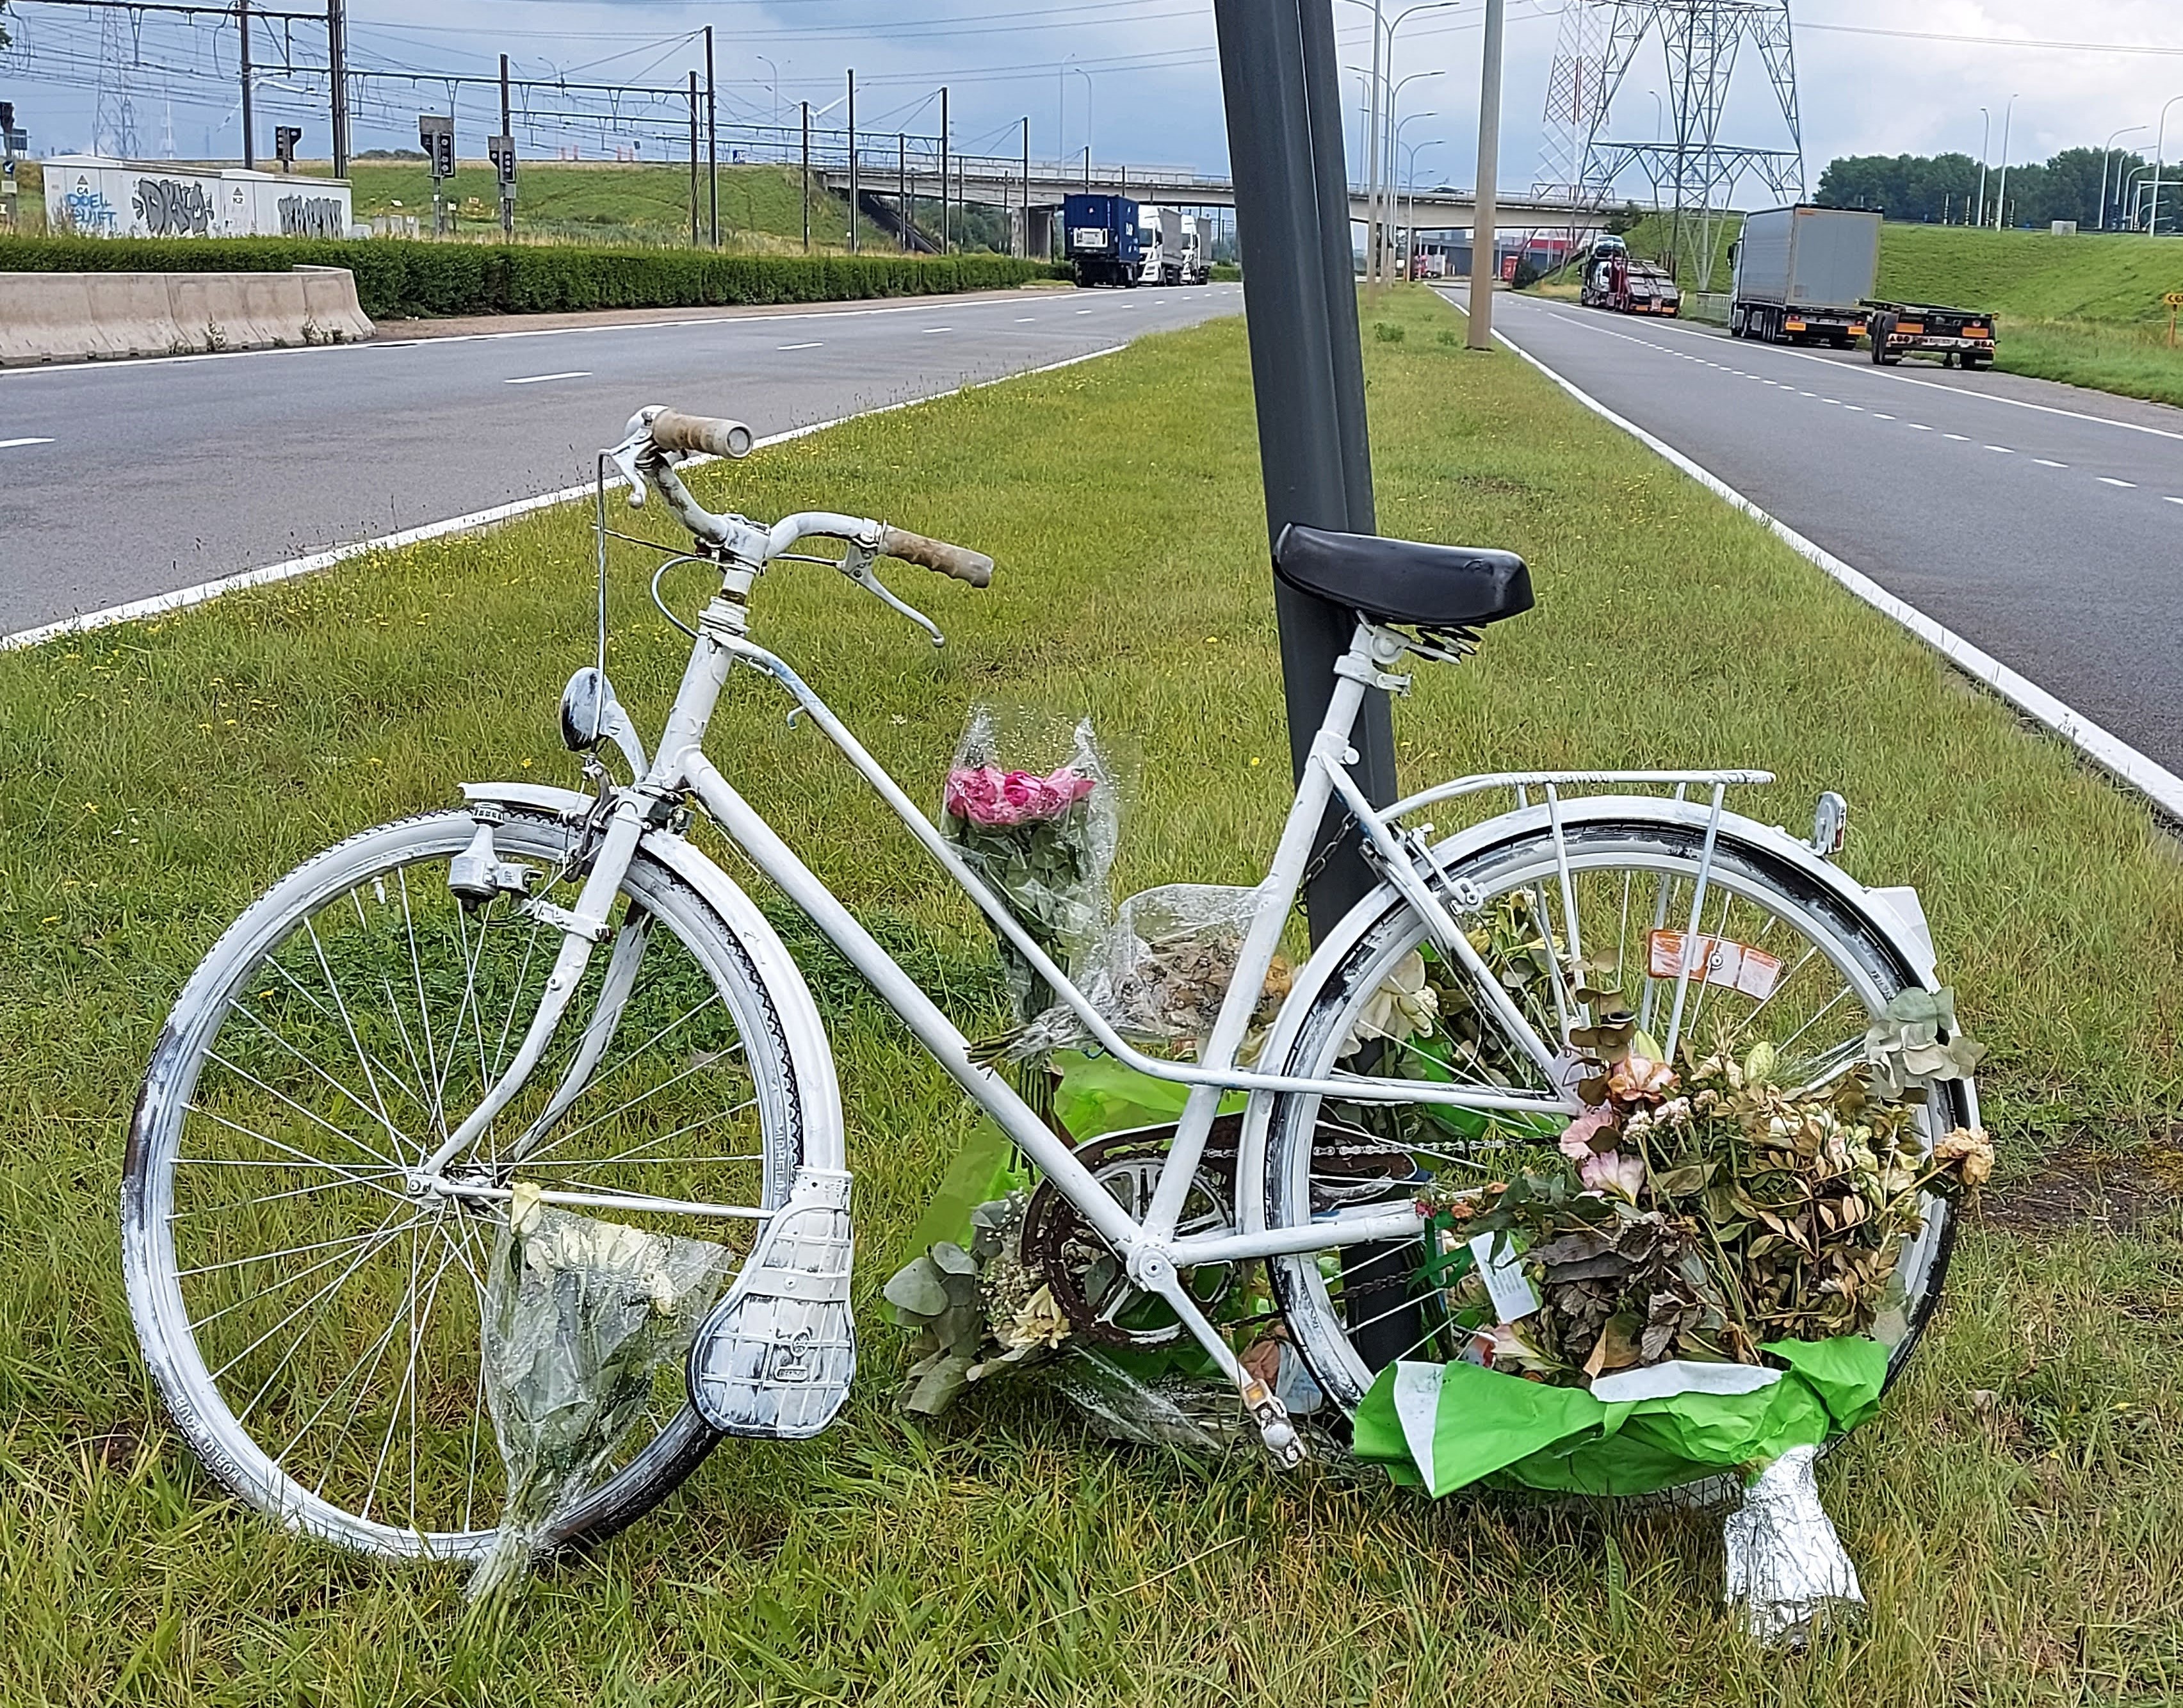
pixel 2027 1547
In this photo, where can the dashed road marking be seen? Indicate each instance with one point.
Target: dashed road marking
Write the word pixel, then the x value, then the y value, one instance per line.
pixel 1881 415
pixel 814 345
pixel 541 379
pixel 2004 449
pixel 10 444
pixel 1918 426
pixel 2110 480
pixel 930 331
pixel 2049 463
pixel 1960 438
pixel 1025 320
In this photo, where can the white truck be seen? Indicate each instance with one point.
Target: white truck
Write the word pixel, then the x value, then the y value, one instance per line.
pixel 1160 229
pixel 1197 242
pixel 1803 274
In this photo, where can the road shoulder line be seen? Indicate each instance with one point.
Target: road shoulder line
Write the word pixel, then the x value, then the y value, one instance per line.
pixel 2105 749
pixel 160 604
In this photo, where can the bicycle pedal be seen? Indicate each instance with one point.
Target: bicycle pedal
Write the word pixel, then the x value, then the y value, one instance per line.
pixel 775 1357
pixel 1274 1428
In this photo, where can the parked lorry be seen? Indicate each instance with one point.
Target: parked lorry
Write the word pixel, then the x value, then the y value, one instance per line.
pixel 1159 231
pixel 1615 280
pixel 1101 239
pixel 1965 335
pixel 1801 275
pixel 1197 242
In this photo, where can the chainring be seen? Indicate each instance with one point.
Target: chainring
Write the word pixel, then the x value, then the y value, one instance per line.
pixel 1088 1279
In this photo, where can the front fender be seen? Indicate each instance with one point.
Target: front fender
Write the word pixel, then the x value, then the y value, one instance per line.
pixel 1895 915
pixel 810 1056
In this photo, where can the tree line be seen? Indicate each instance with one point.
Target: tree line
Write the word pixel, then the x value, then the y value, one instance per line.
pixel 1944 188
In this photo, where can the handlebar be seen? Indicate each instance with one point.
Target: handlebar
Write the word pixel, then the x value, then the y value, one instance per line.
pixel 672 431
pixel 958 561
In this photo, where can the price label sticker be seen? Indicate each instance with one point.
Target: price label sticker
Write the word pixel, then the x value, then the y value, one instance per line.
pixel 1716 960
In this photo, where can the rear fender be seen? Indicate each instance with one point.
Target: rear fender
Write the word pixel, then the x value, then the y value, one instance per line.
pixel 818 1092
pixel 1895 914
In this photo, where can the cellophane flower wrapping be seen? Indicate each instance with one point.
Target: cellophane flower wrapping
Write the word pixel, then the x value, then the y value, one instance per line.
pixel 1161 973
pixel 580 1314
pixel 1033 806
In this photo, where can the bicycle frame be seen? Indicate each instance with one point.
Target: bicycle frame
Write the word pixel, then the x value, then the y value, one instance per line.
pixel 1149 1249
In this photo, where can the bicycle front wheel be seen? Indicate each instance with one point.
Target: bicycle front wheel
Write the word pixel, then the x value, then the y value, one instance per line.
pixel 1354 1312
pixel 311 1313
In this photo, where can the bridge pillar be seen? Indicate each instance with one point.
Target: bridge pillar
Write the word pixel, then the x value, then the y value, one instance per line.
pixel 1040 232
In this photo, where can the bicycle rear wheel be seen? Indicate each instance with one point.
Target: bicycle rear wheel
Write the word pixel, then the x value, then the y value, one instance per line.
pixel 311 1317
pixel 1352 1315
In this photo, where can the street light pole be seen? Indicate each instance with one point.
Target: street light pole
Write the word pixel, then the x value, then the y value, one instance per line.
pixel 2000 195
pixel 2106 159
pixel 1396 198
pixel 806 176
pixel 1985 150
pixel 1389 186
pixel 2159 167
pixel 852 161
pixel 1482 267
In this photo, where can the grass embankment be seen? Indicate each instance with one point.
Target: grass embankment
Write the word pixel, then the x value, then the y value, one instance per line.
pixel 2083 309
pixel 2016 1512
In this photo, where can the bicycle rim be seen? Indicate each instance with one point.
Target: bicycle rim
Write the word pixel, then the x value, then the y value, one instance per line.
pixel 1352 1315
pixel 313 1323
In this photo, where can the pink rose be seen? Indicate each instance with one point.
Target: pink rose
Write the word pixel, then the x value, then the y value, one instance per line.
pixel 985 795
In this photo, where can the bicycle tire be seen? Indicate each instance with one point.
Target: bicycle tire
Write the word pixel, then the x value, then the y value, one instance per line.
pixel 160 1130
pixel 1864 948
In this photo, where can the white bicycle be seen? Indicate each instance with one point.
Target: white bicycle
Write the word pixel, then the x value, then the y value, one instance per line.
pixel 559 990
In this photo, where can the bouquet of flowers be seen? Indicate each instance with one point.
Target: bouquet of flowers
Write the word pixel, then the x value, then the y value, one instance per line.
pixel 1702 1213
pixel 1042 839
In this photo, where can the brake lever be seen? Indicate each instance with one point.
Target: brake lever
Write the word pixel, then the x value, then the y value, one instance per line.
pixel 857 564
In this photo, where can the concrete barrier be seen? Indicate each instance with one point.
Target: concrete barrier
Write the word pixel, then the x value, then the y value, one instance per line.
pixel 68 317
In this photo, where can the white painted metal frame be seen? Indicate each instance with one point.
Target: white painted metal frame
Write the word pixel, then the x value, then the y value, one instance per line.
pixel 1150 1248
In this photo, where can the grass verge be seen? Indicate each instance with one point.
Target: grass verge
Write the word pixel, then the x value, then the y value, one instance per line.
pixel 2015 1511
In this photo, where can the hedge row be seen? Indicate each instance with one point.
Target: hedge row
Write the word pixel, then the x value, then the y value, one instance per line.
pixel 398 277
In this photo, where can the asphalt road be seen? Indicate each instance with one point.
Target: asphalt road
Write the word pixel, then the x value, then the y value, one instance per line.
pixel 2040 522
pixel 123 481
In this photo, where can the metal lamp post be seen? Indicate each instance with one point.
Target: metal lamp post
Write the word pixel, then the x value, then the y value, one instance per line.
pixel 2000 195
pixel 1388 184
pixel 2106 159
pixel 1410 222
pixel 1985 151
pixel 1400 181
pixel 2159 166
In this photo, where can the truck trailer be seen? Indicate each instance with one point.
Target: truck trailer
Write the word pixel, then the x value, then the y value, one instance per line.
pixel 1614 279
pixel 1159 232
pixel 1101 239
pixel 1803 274
pixel 1897 329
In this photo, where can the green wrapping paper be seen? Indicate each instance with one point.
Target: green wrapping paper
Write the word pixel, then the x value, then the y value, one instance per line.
pixel 1445 1427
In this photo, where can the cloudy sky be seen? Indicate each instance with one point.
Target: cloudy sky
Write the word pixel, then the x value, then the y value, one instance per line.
pixel 1137 79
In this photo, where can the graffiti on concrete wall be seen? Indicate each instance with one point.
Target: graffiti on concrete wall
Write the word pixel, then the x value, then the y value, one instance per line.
pixel 313 216
pixel 84 209
pixel 172 208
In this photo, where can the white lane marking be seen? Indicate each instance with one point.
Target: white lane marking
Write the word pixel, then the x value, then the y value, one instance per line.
pixel 1025 320
pixel 1918 426
pixel 1859 408
pixel 1899 378
pixel 10 444
pixel 1878 416
pixel 542 378
pixel 2164 498
pixel 2004 449
pixel 2110 480
pixel 160 603
pixel 1811 394
pixel 853 309
pixel 2103 748
pixel 1960 438
pixel 1836 402
pixel 929 330
pixel 2049 463
pixel 816 344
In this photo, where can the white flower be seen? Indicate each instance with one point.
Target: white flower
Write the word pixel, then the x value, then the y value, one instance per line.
pixel 1404 1007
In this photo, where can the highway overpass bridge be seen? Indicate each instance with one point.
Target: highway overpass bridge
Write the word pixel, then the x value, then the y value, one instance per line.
pixel 1000 182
